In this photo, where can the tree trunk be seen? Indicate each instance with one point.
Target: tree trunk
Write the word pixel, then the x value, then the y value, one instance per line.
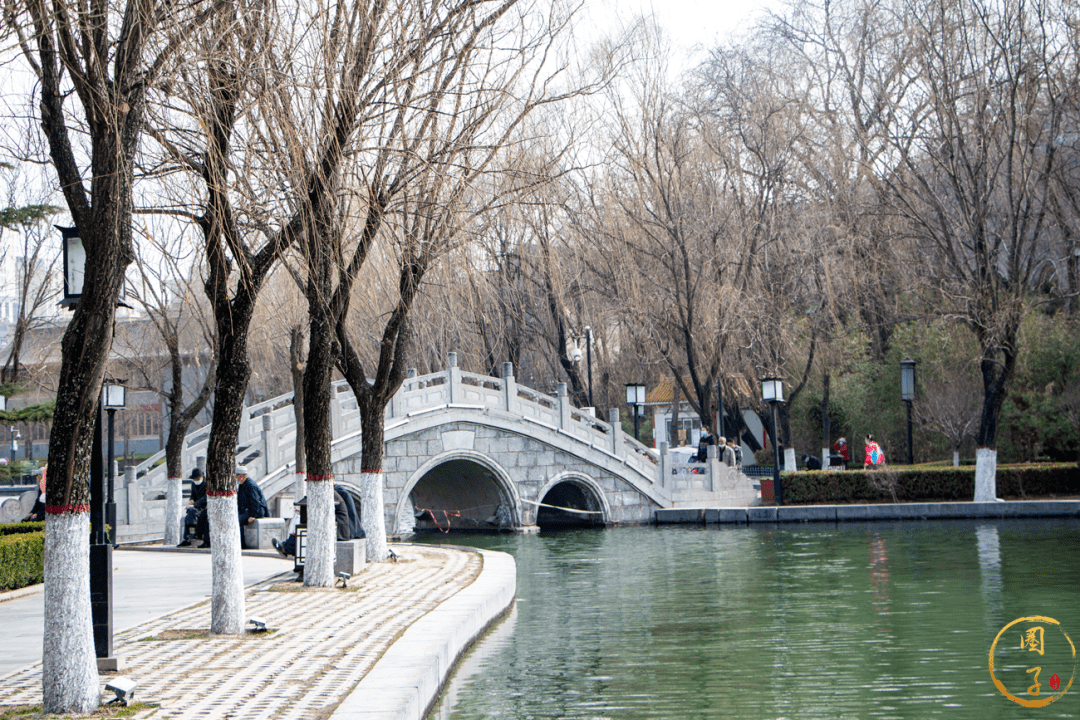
pixel 69 673
pixel 180 419
pixel 227 603
pixel 373 516
pixel 174 496
pixel 997 372
pixel 234 371
pixel 322 351
pixel 296 364
pixel 826 422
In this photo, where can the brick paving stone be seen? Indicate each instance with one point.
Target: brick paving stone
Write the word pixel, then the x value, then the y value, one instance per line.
pixel 324 642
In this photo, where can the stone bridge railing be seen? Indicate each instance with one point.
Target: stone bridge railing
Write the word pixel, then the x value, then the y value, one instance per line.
pixel 455 388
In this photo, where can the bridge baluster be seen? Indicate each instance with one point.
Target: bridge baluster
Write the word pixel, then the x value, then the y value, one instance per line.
pixel 618 446
pixel 509 388
pixel 564 407
pixel 453 378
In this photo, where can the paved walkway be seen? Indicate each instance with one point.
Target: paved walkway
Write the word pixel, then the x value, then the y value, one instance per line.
pixel 324 641
pixel 146 585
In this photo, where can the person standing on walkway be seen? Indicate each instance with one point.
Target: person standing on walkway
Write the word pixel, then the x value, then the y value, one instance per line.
pixel 703 444
pixel 727 452
pixel 874 456
pixel 736 453
pixel 250 503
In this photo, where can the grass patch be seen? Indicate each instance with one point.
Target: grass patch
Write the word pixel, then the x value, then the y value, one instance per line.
pixel 296 587
pixel 34 712
pixel 200 634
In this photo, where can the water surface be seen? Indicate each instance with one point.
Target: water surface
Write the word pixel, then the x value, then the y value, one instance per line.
pixel 869 620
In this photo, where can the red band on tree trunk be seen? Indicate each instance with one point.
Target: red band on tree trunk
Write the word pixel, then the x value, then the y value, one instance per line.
pixel 66 509
pixel 370 471
pixel 320 477
pixel 220 493
pixel 173 476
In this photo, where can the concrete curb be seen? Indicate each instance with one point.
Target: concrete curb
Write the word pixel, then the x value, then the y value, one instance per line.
pixel 844 513
pixel 22 592
pixel 407 679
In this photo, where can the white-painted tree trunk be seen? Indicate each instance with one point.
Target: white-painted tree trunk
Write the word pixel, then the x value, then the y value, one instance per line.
pixel 227 598
pixel 825 458
pixel 69 676
pixel 372 516
pixel 956 458
pixel 322 535
pixel 985 475
pixel 789 460
pixel 174 495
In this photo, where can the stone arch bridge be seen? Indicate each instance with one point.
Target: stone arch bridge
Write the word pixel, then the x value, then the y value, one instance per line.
pixel 465 451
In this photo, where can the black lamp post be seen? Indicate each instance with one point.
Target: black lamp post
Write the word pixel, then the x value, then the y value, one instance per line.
pixel 907 394
pixel 635 398
pixel 113 399
pixel 772 392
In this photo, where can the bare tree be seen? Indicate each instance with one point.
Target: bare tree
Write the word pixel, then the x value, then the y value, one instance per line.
pixel 978 140
pixel 951 408
pixel 170 299
pixel 95 65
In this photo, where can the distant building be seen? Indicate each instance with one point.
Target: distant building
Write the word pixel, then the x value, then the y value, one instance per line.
pixel 140 429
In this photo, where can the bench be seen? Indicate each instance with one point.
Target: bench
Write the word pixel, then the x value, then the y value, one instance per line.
pixel 259 534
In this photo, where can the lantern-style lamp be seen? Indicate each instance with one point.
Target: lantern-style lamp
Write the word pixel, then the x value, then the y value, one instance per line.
pixel 772 392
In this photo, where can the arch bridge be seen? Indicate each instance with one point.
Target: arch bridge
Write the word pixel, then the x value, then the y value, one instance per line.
pixel 464 450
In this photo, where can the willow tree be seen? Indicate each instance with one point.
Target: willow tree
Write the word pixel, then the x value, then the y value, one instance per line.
pixel 94 65
pixel 978 135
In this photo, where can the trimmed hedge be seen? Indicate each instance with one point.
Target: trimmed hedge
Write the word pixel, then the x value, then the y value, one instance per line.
pixel 931 484
pixel 22 527
pixel 22 559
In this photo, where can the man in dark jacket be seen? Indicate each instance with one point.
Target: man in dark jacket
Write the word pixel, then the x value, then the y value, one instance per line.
pixel 250 503
pixel 195 515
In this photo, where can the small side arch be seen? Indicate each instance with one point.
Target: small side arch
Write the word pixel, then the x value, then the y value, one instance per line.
pixel 595 500
pixel 490 469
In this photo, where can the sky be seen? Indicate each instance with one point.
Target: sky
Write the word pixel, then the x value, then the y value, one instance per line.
pixel 689 24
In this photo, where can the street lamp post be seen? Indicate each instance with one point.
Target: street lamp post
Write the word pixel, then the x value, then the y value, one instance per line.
pixel 772 392
pixel 635 398
pixel 114 398
pixel 907 394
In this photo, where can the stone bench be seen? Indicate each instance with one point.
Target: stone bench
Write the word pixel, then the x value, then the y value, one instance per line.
pixel 351 556
pixel 258 535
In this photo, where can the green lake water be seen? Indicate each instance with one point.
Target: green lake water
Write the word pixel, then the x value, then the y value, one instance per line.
pixel 868 620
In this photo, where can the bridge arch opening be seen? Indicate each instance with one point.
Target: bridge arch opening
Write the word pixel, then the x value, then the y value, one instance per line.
pixel 461 493
pixel 570 502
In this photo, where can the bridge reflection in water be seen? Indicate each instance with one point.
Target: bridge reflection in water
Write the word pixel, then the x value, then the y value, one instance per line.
pixel 857 620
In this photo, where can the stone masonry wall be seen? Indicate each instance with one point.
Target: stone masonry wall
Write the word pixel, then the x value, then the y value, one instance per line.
pixel 528 463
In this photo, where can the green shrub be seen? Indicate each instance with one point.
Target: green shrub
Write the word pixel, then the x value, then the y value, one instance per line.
pixel 22 560
pixel 928 484
pixel 21 527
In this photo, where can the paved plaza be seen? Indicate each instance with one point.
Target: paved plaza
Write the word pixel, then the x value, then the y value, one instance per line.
pixel 322 641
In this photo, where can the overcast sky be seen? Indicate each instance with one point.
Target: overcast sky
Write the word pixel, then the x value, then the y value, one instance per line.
pixel 688 23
